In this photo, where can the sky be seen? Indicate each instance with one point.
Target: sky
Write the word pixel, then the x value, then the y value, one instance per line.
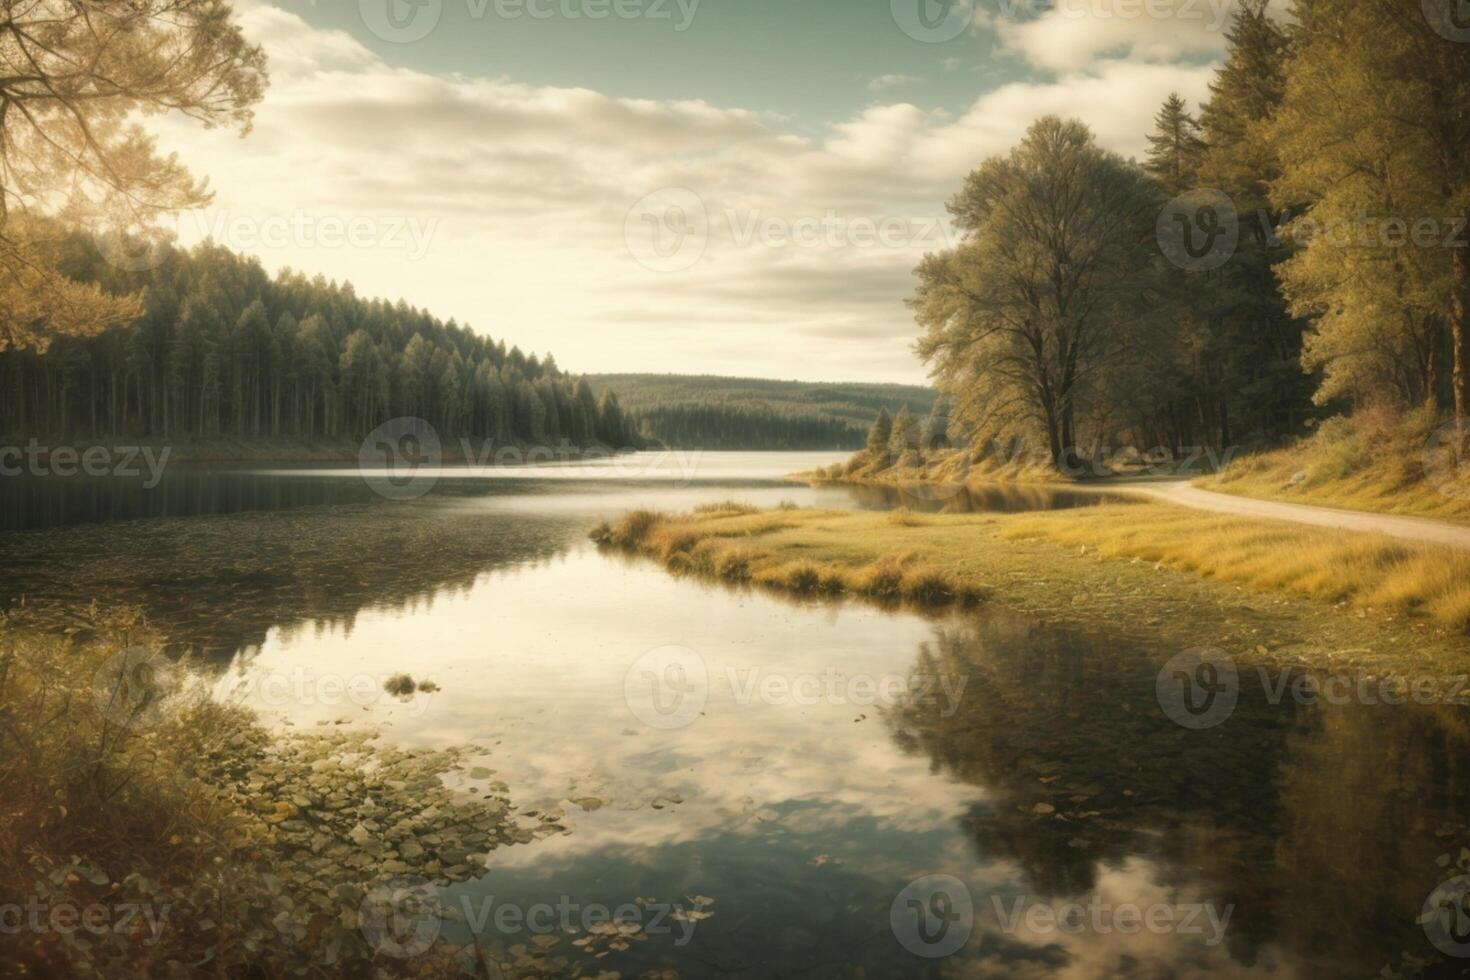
pixel 732 187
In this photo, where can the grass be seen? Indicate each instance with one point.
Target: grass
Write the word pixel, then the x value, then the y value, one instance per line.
pixel 714 543
pixel 990 464
pixel 1376 460
pixel 1360 570
pixel 938 559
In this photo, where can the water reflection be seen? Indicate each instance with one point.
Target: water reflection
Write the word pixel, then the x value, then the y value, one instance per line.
pixel 219 584
pixel 196 489
pixel 28 503
pixel 995 498
pixel 1053 777
pixel 1316 824
pixel 669 480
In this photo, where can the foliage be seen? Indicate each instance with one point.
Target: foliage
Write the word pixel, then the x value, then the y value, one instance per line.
pixel 1375 162
pixel 1028 314
pixel 1348 117
pixel 1175 147
pixel 223 350
pixel 74 79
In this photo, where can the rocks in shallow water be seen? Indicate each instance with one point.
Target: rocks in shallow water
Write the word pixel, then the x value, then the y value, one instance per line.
pixel 321 823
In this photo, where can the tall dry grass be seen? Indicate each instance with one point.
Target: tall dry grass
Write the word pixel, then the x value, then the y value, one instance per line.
pixel 720 549
pixel 1377 459
pixel 1362 570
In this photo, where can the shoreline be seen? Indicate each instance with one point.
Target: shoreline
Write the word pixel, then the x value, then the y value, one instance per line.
pixel 1032 564
pixel 32 452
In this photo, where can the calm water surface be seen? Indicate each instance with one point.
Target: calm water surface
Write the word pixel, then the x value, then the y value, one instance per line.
pixel 799 764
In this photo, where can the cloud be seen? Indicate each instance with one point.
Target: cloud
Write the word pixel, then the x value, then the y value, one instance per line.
pixel 890 81
pixel 524 198
pixel 1077 35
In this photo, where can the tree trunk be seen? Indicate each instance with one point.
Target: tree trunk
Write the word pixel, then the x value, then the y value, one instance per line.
pixel 1052 434
pixel 1460 338
pixel 1434 365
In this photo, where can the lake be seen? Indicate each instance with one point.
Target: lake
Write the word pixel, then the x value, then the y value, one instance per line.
pixel 834 789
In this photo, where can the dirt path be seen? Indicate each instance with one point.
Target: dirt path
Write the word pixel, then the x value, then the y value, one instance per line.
pixel 1410 528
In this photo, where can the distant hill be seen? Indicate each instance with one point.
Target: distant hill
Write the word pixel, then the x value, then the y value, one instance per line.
pixel 713 412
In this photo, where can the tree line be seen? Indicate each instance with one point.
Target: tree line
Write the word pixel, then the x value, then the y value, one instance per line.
pixel 1296 246
pixel 717 425
pixel 203 344
pixel 220 349
pixel 756 413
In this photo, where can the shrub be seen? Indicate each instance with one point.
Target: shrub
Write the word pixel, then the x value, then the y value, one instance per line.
pixel 883 577
pixel 400 685
pixel 927 584
pixel 725 508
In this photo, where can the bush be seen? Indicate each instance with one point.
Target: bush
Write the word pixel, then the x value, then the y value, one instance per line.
pixel 400 685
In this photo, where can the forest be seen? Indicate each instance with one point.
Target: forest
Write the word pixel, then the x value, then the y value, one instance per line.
pixel 704 411
pixel 221 350
pixel 1293 248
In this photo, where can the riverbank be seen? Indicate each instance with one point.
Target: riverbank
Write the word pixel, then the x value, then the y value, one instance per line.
pixel 1373 461
pixel 1377 460
pixel 1158 573
pixel 942 466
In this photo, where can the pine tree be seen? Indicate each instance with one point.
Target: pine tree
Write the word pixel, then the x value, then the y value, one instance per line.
pixel 1174 147
pixel 903 436
pixel 880 433
pixel 1240 159
pixel 935 432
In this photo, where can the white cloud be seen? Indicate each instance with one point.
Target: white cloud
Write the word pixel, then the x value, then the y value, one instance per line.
pixel 524 194
pixel 890 81
pixel 1075 35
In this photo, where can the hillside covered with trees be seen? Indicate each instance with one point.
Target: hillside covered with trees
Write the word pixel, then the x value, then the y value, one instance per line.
pixel 221 350
pixel 713 412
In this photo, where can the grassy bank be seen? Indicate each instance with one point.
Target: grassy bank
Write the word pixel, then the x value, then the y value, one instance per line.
pixel 1375 460
pixel 1160 571
pixel 953 466
pixel 190 841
